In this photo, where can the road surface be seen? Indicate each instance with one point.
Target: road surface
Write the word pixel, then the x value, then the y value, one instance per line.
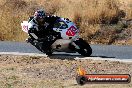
pixel 103 51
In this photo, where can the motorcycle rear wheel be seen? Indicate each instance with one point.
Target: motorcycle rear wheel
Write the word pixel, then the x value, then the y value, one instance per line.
pixel 49 53
pixel 39 47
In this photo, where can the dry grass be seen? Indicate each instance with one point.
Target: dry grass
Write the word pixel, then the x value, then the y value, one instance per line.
pixel 13 12
pixel 42 72
pixel 87 14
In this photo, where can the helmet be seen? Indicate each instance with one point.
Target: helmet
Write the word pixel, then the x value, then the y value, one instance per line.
pixel 39 15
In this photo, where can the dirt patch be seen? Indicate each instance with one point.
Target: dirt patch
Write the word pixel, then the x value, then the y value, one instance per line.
pixel 55 72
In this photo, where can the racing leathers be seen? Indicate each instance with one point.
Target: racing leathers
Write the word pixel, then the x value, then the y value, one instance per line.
pixel 43 32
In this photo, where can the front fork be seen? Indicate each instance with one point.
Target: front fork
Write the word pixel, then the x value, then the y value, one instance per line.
pixel 74 40
pixel 75 45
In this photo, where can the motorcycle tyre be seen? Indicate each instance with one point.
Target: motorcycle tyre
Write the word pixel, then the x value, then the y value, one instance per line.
pixel 85 49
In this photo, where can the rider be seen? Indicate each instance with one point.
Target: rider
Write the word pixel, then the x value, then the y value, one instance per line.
pixel 41 27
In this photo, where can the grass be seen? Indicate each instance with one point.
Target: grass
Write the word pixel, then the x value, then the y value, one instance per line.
pixel 89 15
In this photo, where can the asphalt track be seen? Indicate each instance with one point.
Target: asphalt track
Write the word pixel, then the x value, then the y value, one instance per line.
pixel 102 51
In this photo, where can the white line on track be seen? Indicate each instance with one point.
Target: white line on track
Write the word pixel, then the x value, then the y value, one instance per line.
pixel 77 58
pixel 23 54
pixel 110 59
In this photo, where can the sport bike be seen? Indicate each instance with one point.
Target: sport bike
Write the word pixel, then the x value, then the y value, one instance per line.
pixel 69 42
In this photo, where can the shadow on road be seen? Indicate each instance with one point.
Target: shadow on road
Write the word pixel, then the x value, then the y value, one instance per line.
pixel 72 57
pixel 64 56
pixel 102 56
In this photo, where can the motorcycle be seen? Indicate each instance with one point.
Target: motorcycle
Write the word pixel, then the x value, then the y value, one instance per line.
pixel 69 42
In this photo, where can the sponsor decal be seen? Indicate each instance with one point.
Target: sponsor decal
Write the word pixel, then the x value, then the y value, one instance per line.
pixel 24 28
pixel 71 31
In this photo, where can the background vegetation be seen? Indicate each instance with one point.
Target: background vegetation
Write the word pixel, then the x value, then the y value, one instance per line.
pixel 100 21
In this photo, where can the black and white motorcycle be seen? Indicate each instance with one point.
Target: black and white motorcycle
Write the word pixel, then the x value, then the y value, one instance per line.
pixel 69 41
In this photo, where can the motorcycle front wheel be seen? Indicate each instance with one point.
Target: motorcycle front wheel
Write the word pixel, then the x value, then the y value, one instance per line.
pixel 85 49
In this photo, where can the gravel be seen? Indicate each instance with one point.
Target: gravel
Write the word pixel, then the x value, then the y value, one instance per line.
pixel 48 69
